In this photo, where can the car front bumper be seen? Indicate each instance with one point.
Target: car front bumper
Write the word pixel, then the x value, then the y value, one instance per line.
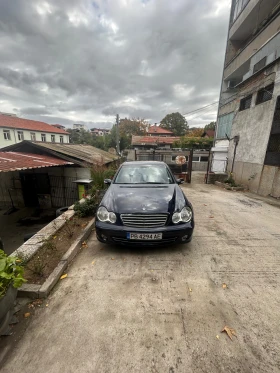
pixel 116 234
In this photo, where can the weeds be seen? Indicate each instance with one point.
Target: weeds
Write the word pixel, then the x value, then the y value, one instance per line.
pixel 99 172
pixel 39 262
pixel 38 265
pixel 69 226
pixel 50 244
pixel 230 180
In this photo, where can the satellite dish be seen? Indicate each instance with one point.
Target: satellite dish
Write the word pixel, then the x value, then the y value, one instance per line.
pixel 180 159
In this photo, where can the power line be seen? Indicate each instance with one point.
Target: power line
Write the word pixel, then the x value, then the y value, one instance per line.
pixel 201 108
pixel 196 116
pixel 237 94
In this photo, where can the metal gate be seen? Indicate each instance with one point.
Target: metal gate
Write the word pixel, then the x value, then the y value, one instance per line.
pixel 167 156
pixel 63 191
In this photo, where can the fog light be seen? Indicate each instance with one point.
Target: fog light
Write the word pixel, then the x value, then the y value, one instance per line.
pixel 184 238
pixel 104 238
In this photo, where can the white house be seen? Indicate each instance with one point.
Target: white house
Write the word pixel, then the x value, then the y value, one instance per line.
pixel 14 130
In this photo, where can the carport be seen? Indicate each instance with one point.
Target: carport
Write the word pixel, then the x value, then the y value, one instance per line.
pixel 28 180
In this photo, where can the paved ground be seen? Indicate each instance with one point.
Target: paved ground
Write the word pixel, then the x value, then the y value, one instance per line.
pixel 161 310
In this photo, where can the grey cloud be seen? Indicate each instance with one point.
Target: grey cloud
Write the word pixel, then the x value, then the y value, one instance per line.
pixel 34 111
pixel 83 60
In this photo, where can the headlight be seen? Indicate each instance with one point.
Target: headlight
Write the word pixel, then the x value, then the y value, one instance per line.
pixel 104 215
pixel 184 216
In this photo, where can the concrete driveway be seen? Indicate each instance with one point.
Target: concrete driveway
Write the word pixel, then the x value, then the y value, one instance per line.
pixel 162 310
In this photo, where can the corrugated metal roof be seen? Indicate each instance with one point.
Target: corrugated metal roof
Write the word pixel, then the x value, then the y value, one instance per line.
pixel 86 153
pixel 7 121
pixel 11 161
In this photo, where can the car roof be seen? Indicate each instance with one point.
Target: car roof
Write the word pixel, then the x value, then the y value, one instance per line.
pixel 143 163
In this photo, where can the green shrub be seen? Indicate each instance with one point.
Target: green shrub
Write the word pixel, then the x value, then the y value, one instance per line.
pixel 11 273
pixel 86 208
pixel 99 172
pixel 230 180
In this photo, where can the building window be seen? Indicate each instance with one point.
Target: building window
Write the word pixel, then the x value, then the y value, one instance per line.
pixel 7 135
pixel 52 138
pixel 238 8
pixel 203 159
pixel 195 159
pixel 245 103
pixel 265 94
pixel 224 125
pixel 20 135
pixel 259 65
pixel 274 144
pixel 33 136
pixel 61 139
pixel 43 137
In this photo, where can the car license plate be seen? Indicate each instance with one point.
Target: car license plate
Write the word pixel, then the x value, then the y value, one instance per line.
pixel 144 236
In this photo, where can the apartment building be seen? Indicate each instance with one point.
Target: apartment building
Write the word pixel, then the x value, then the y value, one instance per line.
pixel 247 138
pixel 14 130
pixel 100 131
pixel 79 127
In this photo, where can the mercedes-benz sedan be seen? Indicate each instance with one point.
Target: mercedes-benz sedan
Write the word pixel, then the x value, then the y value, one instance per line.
pixel 144 205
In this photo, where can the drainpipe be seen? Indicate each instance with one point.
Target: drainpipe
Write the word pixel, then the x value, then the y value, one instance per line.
pixel 15 136
pixel 236 141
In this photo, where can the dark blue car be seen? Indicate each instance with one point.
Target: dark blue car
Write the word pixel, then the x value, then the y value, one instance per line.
pixel 144 205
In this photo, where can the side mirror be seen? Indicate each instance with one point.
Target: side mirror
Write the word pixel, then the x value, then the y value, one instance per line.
pixel 179 181
pixel 107 181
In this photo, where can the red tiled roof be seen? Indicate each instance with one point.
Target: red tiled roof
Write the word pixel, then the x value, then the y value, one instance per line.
pixel 209 133
pixel 11 161
pixel 158 130
pixel 153 140
pixel 33 125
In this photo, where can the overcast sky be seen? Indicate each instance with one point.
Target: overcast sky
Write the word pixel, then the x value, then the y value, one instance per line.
pixel 80 61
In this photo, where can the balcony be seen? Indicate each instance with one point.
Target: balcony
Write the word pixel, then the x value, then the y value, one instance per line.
pixel 249 17
pixel 253 21
pixel 248 62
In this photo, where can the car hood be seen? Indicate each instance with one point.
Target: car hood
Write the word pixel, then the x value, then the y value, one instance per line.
pixel 141 198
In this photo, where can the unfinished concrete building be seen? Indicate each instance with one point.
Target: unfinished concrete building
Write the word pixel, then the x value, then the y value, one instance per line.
pixel 247 140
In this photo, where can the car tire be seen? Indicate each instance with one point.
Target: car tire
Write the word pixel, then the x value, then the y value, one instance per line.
pixel 61 211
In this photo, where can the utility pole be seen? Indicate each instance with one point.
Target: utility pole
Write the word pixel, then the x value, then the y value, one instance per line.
pixel 117 134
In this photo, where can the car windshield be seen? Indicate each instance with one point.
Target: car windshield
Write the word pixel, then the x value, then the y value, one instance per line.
pixel 144 174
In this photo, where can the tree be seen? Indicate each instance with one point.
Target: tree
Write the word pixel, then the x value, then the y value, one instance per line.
pixel 195 132
pixel 79 136
pixel 176 123
pixel 129 127
pixel 193 143
pixel 210 126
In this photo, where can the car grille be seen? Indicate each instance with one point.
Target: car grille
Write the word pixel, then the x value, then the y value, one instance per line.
pixel 144 220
